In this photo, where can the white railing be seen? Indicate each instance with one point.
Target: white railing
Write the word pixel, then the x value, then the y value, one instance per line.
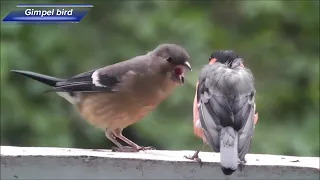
pixel 68 163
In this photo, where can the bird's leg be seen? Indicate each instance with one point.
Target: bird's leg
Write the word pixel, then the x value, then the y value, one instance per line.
pixel 134 146
pixel 195 156
pixel 109 134
pixel 242 164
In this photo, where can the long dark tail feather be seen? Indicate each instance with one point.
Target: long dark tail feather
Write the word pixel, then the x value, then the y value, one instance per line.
pixel 49 80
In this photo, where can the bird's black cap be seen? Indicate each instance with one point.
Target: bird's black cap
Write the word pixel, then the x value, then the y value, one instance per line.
pixel 224 56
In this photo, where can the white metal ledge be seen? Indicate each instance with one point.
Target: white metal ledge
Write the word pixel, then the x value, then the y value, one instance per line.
pixel 65 163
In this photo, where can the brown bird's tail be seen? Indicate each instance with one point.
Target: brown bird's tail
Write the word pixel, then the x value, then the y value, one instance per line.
pixel 228 150
pixel 51 81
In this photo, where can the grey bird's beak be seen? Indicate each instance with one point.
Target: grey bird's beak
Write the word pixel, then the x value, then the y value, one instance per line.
pixel 187 64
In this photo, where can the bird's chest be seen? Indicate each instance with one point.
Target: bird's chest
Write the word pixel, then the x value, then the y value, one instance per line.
pixel 120 109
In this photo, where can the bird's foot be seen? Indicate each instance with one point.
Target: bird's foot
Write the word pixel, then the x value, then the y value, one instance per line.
pixel 99 150
pixel 143 148
pixel 242 164
pixel 124 149
pixel 194 157
pixel 131 149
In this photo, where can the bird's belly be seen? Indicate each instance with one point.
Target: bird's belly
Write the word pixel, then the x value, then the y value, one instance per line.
pixel 112 110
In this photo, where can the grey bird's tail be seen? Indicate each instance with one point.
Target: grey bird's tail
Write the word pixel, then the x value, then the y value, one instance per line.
pixel 48 80
pixel 228 150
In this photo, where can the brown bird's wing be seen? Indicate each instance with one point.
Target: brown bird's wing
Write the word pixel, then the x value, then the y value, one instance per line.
pixel 104 79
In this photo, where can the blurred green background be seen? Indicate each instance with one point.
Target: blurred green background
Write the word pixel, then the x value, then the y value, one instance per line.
pixel 279 41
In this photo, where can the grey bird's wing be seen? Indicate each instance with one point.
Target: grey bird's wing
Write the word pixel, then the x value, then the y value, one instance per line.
pixel 106 79
pixel 226 96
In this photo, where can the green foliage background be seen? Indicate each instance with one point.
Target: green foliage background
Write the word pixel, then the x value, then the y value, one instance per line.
pixel 279 41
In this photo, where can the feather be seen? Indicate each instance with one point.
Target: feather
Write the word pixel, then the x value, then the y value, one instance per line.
pixel 226 95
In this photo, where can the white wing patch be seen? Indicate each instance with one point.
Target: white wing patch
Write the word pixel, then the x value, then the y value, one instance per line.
pixel 95 79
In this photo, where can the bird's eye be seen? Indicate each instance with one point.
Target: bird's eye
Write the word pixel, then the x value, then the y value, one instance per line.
pixel 169 59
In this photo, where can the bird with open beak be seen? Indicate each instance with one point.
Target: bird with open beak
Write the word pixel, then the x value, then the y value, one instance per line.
pixel 118 95
pixel 223 109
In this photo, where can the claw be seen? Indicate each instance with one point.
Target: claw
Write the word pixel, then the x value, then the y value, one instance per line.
pixel 131 149
pixel 242 164
pixel 195 158
pixel 99 150
pixel 147 148
pixel 124 149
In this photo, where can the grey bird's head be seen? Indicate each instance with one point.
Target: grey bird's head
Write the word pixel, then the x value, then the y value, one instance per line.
pixel 175 60
pixel 228 57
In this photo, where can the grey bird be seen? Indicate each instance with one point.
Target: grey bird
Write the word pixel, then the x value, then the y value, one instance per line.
pixel 118 95
pixel 226 105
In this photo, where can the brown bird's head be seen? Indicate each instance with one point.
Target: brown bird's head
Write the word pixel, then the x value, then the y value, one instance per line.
pixel 175 61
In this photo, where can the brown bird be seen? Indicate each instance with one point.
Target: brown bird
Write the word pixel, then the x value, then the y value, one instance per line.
pixel 116 96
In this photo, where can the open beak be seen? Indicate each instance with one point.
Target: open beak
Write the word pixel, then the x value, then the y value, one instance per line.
pixel 187 65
